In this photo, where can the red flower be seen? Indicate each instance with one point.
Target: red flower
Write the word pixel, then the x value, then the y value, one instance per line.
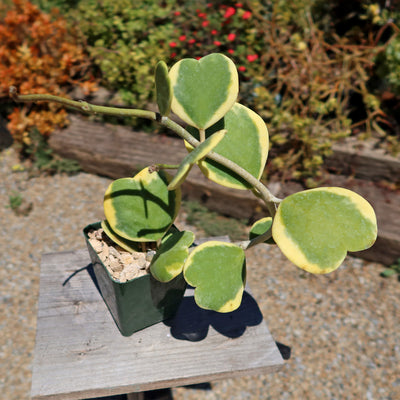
pixel 197 58
pixel 239 5
pixel 202 15
pixel 229 12
pixel 231 37
pixel 177 13
pixel 231 51
pixel 217 42
pixel 205 23
pixel 173 55
pixel 172 44
pixel 191 41
pixel 246 15
pixel 252 57
pixel 241 68
pixel 214 32
pixel 182 38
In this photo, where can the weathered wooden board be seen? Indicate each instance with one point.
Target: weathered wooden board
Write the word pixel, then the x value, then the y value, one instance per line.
pixel 117 151
pixel 80 353
pixel 364 160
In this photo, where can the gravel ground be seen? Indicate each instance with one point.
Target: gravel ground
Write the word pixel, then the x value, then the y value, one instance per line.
pixel 342 329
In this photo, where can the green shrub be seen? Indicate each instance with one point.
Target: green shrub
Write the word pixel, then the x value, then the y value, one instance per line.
pixel 310 63
pixel 62 5
pixel 125 40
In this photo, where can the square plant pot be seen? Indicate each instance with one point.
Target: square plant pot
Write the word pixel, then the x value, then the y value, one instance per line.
pixel 140 302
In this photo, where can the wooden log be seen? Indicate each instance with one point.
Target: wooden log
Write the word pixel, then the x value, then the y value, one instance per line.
pixel 117 151
pixel 363 160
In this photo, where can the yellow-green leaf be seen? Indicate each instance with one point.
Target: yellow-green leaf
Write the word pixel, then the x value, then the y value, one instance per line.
pixel 170 257
pixel 141 208
pixel 218 272
pixel 246 143
pixel 126 244
pixel 261 227
pixel 316 228
pixel 163 88
pixel 203 90
pixel 196 155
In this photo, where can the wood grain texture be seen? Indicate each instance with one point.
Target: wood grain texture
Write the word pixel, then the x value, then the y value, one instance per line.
pixel 80 353
pixel 364 160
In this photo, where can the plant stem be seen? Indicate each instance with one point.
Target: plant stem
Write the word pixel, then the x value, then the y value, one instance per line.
pixel 157 167
pixel 202 135
pixel 258 188
pixel 246 244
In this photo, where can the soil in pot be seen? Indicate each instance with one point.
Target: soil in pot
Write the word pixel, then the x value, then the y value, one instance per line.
pixel 121 264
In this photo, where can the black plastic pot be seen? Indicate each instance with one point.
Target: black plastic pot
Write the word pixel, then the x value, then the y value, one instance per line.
pixel 140 302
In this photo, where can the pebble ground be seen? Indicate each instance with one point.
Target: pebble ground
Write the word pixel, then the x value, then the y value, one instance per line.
pixel 342 329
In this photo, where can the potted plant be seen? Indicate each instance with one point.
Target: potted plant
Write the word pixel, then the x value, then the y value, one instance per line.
pixel 314 228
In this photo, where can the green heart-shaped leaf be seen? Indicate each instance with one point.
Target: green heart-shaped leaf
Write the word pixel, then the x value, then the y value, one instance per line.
pixel 163 88
pixel 126 244
pixel 315 228
pixel 218 272
pixel 203 90
pixel 197 154
pixel 245 143
pixel 170 257
pixel 260 227
pixel 141 208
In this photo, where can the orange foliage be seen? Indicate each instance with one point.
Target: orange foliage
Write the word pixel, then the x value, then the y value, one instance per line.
pixel 39 54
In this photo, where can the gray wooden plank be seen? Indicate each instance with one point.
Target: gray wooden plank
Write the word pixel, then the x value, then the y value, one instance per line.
pixel 364 159
pixel 80 353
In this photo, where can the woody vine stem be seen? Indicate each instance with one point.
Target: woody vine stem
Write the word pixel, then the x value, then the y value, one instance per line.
pixel 259 189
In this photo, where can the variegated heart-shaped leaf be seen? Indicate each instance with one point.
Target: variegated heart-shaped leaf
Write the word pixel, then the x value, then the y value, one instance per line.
pixel 218 272
pixel 316 228
pixel 163 88
pixel 141 208
pixel 246 143
pixel 170 257
pixel 196 155
pixel 203 90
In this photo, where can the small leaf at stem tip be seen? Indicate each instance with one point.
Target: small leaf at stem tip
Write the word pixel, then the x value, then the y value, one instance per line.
pixel 196 155
pixel 260 227
pixel 163 88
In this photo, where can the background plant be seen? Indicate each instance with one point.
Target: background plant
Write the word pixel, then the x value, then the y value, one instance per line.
pixel 39 53
pixel 43 159
pixel 316 71
pixel 125 40
pixel 305 81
